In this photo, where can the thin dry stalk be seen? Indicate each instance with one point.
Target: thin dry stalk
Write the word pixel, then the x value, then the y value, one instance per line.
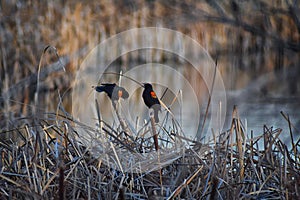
pixel 123 122
pixel 185 183
pixel 154 134
pixel 240 140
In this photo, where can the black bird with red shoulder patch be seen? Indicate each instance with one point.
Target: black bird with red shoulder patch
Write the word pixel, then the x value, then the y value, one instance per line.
pixel 151 100
pixel 113 91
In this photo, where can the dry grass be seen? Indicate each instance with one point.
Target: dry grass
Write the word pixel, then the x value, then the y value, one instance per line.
pixel 50 162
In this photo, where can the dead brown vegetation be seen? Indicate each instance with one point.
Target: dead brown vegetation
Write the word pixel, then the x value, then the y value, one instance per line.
pixel 50 161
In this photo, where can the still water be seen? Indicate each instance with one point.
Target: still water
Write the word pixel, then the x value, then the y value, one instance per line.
pixel 267 111
pixel 177 64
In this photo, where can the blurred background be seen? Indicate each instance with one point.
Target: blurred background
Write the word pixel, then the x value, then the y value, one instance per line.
pixel 256 43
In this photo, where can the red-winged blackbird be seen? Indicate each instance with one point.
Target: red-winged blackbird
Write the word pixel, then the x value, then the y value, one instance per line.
pixel 113 91
pixel 151 100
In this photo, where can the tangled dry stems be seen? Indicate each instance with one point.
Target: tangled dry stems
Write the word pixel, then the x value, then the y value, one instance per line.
pixel 49 162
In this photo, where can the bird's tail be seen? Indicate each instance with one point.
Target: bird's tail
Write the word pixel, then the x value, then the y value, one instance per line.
pixel 99 88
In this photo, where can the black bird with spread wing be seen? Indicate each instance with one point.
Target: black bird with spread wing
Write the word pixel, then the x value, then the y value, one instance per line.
pixel 113 91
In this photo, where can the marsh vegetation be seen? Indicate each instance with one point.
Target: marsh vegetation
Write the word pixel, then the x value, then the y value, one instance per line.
pixel 256 155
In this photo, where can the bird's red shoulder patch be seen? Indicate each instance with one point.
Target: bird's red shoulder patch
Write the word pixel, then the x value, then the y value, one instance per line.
pixel 153 95
pixel 120 93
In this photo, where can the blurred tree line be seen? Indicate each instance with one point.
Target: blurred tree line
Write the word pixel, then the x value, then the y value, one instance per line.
pixel 249 38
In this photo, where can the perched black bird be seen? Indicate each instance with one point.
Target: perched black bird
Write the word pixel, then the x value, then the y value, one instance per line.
pixel 151 100
pixel 113 91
